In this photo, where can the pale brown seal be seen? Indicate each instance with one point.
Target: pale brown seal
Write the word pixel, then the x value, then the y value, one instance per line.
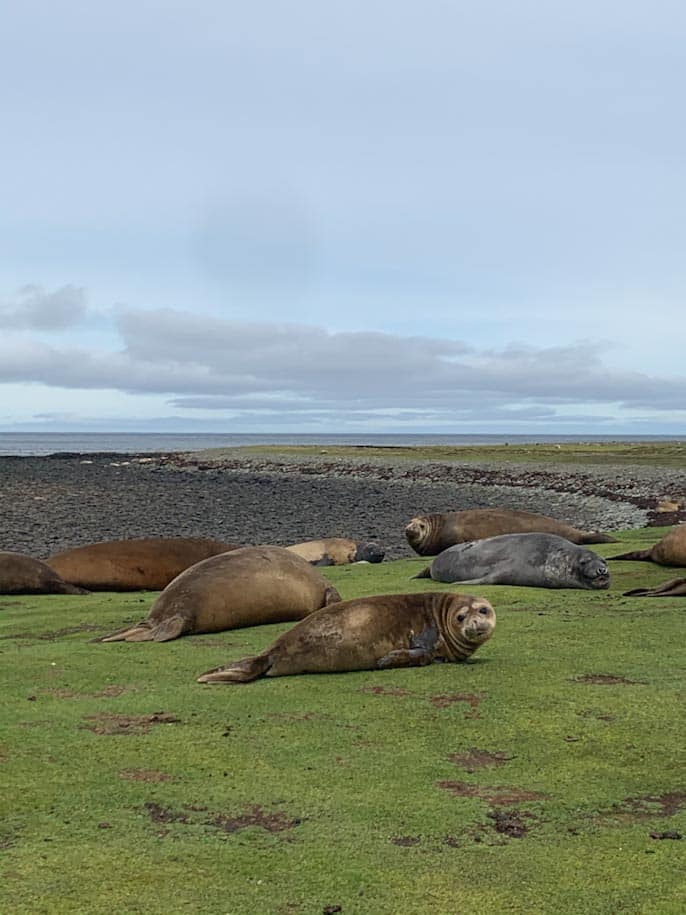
pixel 246 587
pixel 670 551
pixel 20 574
pixel 532 560
pixel 386 630
pixel 145 564
pixel 337 551
pixel 428 535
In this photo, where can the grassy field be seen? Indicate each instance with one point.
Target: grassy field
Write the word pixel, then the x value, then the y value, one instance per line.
pixel 652 454
pixel 545 776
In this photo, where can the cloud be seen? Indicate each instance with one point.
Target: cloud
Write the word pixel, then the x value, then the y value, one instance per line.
pixel 36 309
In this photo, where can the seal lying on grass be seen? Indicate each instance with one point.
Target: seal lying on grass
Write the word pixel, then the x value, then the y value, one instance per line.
pixel 246 587
pixel 337 551
pixel 145 564
pixel 428 535
pixel 534 560
pixel 670 551
pixel 20 574
pixel 387 630
pixel 674 588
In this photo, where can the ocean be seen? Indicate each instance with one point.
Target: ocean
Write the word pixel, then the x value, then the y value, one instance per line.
pixel 38 443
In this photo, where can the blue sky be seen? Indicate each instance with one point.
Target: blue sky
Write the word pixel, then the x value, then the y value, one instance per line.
pixel 349 216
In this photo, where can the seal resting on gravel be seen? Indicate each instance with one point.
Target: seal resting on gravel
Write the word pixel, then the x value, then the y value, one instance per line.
pixel 532 560
pixel 246 587
pixel 670 551
pixel 21 574
pixel 676 587
pixel 387 630
pixel 337 551
pixel 145 564
pixel 428 535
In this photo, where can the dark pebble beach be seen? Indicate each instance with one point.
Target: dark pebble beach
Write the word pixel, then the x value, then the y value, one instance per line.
pixel 53 503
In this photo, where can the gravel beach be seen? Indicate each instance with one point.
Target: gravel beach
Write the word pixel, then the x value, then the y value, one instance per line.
pixel 61 501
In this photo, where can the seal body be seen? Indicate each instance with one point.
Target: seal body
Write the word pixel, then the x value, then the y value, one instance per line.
pixel 670 551
pixel 368 633
pixel 534 560
pixel 428 535
pixel 676 587
pixel 20 574
pixel 145 564
pixel 337 551
pixel 246 587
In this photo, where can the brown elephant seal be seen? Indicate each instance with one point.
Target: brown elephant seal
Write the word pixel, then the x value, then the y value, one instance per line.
pixel 670 551
pixel 428 535
pixel 532 560
pixel 337 551
pixel 145 564
pixel 676 587
pixel 387 630
pixel 246 587
pixel 21 574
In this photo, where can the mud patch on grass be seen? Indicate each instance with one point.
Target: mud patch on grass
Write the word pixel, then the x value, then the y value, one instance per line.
pixel 496 795
pixel 637 809
pixel 474 759
pixel 599 716
pixel 162 815
pixel 668 834
pixel 607 680
pixel 9 603
pixel 107 723
pixel 7 841
pixel 474 700
pixel 386 691
pixel 405 841
pixel 145 775
pixel 253 815
pixel 107 693
pixel 54 635
pixel 511 823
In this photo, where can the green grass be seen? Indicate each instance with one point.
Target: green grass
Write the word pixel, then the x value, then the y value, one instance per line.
pixel 349 778
pixel 653 454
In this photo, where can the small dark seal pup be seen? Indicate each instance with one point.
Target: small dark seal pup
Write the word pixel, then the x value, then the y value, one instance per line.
pixel 20 574
pixel 144 564
pixel 533 560
pixel 428 535
pixel 670 551
pixel 246 587
pixel 337 551
pixel 387 630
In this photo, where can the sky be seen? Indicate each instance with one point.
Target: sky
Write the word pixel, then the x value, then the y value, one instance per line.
pixel 436 216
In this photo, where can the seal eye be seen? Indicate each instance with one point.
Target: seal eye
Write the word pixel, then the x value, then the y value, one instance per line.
pixel 483 610
pixel 460 617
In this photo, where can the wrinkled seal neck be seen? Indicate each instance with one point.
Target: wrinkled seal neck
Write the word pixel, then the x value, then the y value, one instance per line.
pixel 456 646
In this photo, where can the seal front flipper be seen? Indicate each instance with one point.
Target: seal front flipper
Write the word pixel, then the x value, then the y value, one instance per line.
pixel 239 672
pixel 406 657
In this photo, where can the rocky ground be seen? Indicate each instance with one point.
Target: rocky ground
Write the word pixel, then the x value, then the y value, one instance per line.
pixel 52 503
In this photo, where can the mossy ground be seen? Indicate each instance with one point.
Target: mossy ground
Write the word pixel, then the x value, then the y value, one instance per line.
pixel 528 780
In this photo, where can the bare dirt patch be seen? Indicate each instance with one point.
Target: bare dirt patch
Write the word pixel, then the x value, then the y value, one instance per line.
pixel 497 795
pixel 106 723
pixel 405 841
pixel 145 775
pixel 636 809
pixel 252 815
pixel 668 834
pixel 510 823
pixel 607 680
pixel 474 700
pixel 474 759
pixel 385 691
pixel 599 716
pixel 106 693
pixel 55 634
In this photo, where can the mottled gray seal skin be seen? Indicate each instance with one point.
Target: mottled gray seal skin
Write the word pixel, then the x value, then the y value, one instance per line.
pixel 20 574
pixel 337 551
pixel 372 633
pixel 532 560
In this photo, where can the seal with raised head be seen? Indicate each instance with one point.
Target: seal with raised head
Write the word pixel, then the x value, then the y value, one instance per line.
pixel 428 535
pixel 246 587
pixel 532 560
pixel 368 633
pixel 337 551
pixel 670 551
pixel 21 574
pixel 143 564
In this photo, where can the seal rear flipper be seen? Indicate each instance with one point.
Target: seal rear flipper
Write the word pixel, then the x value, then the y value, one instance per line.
pixel 674 588
pixel 406 657
pixel 635 555
pixel 145 631
pixel 331 596
pixel 597 537
pixel 240 671
pixel 72 589
pixel 120 635
pixel 425 573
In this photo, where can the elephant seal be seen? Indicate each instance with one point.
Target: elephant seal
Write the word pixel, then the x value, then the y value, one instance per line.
pixel 21 574
pixel 246 587
pixel 428 535
pixel 145 564
pixel 386 630
pixel 670 551
pixel 337 551
pixel 532 560
pixel 676 587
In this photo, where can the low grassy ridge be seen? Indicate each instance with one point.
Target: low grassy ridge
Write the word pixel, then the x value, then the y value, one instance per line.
pixel 653 454
pixel 544 776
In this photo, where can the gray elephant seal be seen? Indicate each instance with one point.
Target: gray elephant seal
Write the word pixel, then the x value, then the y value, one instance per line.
pixel 145 564
pixel 533 560
pixel 246 587
pixel 429 535
pixel 337 551
pixel 20 574
pixel 670 551
pixel 368 633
